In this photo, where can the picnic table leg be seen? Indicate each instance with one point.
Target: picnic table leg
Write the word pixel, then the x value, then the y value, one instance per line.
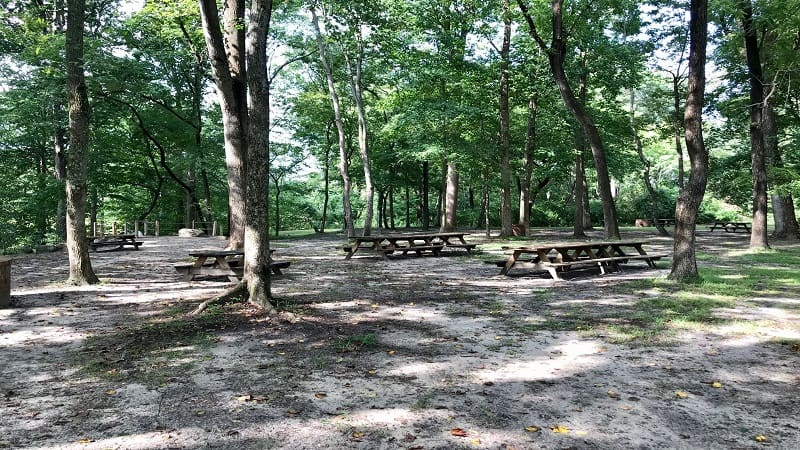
pixel 197 264
pixel 512 259
pixel 222 263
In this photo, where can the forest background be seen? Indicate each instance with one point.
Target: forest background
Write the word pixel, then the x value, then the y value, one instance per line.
pixel 433 95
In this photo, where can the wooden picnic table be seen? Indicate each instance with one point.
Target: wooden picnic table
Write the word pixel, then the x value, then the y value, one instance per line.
pixel 564 256
pixel 667 222
pixel 117 241
pixel 730 227
pixel 418 243
pixel 221 263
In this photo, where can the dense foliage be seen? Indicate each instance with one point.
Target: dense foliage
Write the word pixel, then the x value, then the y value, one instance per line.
pixel 430 75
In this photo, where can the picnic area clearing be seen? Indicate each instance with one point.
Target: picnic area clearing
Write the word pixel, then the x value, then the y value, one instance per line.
pixel 406 352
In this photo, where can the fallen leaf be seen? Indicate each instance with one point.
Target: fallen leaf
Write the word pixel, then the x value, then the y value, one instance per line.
pixel 613 394
pixel 244 398
pixel 293 411
pixel 391 352
pixel 357 434
pixel 85 441
pixel 372 372
pixel 476 442
pixel 761 438
pixel 411 304
pixel 560 429
pixel 320 395
pixel 111 392
pixel 532 429
pixel 681 394
pixel 497 338
pixel 458 432
pixel 200 413
pixel 716 385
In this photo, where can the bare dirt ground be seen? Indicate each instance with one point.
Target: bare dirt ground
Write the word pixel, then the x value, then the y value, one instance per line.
pixel 409 353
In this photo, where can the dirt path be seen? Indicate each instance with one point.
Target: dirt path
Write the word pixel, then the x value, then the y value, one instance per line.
pixel 411 353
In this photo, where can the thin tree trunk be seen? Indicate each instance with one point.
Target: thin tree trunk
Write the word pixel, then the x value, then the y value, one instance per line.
pixel 80 266
pixel 525 182
pixel 485 206
pixel 786 226
pixel 327 177
pixel 506 228
pixel 646 172
pixel 356 79
pixel 758 236
pixel 60 174
pixel 426 213
pixel 578 194
pixel 449 218
pixel 556 53
pixel 677 127
pixel 408 207
pixel 344 165
pixel 684 262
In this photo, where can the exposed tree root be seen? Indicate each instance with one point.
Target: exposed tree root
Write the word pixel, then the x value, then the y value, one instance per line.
pixel 235 294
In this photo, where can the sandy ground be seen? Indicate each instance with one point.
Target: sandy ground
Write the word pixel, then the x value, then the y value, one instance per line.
pixel 409 353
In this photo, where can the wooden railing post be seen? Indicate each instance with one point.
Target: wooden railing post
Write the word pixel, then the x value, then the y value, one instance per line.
pixel 157 228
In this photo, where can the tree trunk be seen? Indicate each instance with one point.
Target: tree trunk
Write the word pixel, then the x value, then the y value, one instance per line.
pixel 485 206
pixel 579 194
pixel 344 164
pixel 556 54
pixel 758 236
pixel 677 126
pixel 426 213
pixel 356 79
pixel 449 218
pixel 327 178
pixel 80 266
pixel 228 71
pixel 256 236
pixel 786 226
pixel 60 174
pixel 525 182
pixel 646 169
pixel 505 132
pixel 684 262
pixel 408 207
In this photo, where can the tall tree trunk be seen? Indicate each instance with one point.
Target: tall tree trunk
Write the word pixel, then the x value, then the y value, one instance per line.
pixel 678 126
pixel 782 205
pixel 228 69
pixel 356 79
pixel 758 236
pixel 579 192
pixel 525 182
pixel 408 206
pixel 485 206
pixel 684 262
pixel 80 266
pixel 344 164
pixel 256 235
pixel 60 174
pixel 449 218
pixel 327 178
pixel 646 169
pixel 426 212
pixel 556 54
pixel 506 228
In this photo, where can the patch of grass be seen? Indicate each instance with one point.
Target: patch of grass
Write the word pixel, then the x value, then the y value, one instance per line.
pixel 355 342
pixel 153 351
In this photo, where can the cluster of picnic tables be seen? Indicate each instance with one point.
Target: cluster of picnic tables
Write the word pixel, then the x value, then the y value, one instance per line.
pixel 553 258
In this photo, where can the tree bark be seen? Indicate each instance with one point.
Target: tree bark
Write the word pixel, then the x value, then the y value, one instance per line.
pixel 356 79
pixel 786 226
pixel 80 266
pixel 758 236
pixel 449 218
pixel 684 262
pixel 256 235
pixel 506 228
pixel 228 70
pixel 426 212
pixel 525 182
pixel 645 170
pixel 344 165
pixel 579 192
pixel 556 54
pixel 677 126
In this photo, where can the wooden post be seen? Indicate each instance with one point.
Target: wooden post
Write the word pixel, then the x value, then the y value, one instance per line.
pixel 157 228
pixel 114 227
pixel 94 228
pixel 125 228
pixel 193 227
pixel 5 281
pixel 214 228
pixel 136 227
